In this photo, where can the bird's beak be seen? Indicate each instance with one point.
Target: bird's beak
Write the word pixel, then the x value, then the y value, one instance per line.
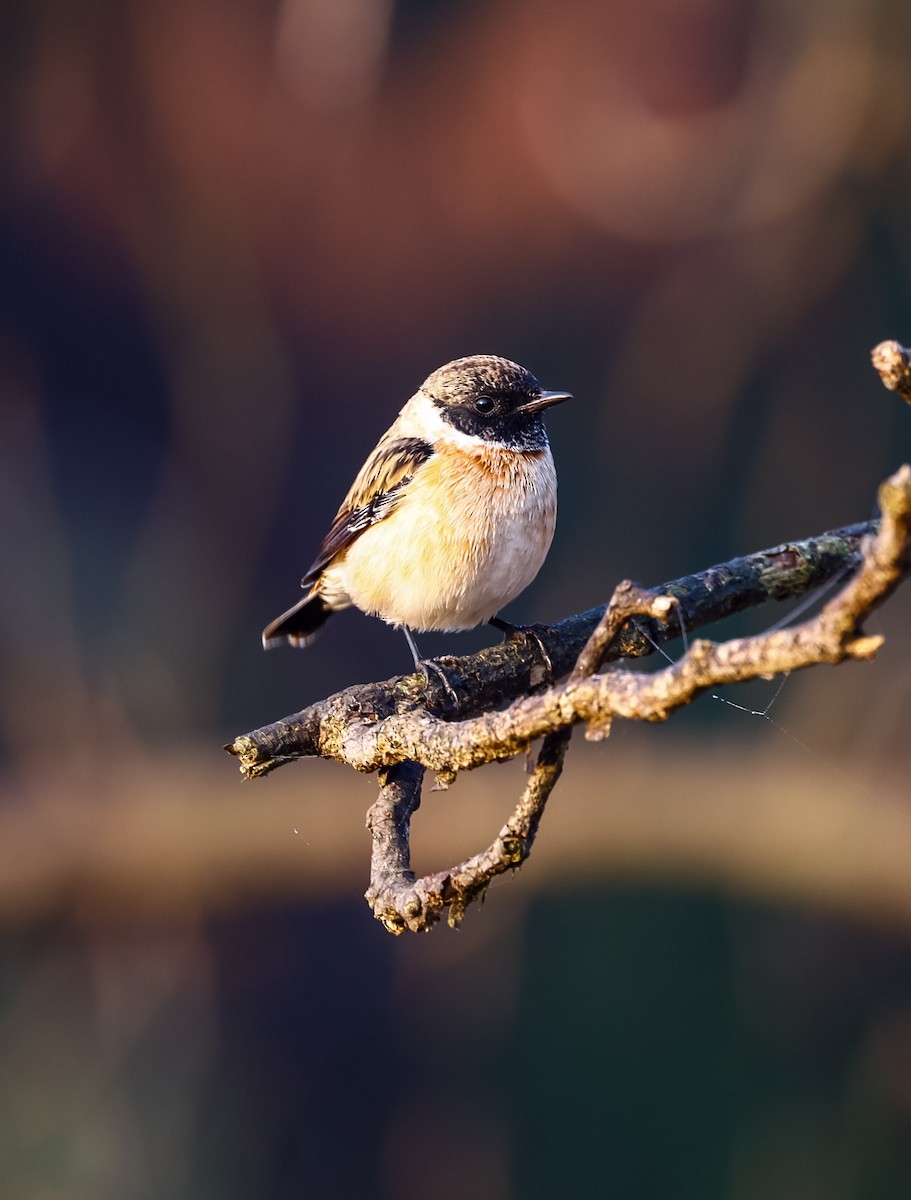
pixel 545 400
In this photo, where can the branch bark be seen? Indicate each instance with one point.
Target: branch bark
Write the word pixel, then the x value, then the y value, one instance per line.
pixel 383 726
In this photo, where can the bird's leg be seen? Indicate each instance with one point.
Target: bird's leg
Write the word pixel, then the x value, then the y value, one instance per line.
pixel 424 665
pixel 530 632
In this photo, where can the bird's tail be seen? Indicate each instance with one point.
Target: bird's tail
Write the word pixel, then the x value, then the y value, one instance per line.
pixel 300 624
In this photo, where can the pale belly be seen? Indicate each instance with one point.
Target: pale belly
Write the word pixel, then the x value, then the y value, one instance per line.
pixel 455 552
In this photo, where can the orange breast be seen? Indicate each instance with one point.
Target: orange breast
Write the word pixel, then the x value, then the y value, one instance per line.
pixel 470 533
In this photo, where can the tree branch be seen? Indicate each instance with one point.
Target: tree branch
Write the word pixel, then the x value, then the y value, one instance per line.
pixel 403 726
pixel 403 903
pixel 399 900
pixel 381 726
pixel 342 725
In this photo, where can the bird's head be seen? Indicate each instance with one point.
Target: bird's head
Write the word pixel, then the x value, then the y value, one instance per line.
pixel 491 398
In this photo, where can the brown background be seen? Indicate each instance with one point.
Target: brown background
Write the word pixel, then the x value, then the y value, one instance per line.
pixel 234 237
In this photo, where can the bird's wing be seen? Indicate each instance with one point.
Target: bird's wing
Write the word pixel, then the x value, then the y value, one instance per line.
pixel 374 494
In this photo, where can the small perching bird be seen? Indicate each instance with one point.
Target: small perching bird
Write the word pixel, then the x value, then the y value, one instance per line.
pixel 450 517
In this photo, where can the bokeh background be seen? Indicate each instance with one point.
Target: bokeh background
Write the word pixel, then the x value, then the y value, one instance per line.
pixel 234 237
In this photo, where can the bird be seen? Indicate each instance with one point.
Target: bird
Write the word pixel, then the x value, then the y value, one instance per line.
pixel 450 517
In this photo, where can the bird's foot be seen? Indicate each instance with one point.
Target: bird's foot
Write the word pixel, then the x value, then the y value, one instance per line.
pixel 425 666
pixel 528 633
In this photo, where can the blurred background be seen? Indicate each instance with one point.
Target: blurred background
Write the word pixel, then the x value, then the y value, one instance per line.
pixel 234 238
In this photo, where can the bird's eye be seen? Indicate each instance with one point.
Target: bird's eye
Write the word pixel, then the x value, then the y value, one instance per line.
pixel 484 404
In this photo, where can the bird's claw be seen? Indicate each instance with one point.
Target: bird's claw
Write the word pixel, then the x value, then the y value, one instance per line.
pixel 528 633
pixel 427 665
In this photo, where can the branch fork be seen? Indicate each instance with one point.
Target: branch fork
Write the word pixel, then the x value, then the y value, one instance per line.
pixel 398 729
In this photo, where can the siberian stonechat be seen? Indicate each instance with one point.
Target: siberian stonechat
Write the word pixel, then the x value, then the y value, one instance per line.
pixel 449 518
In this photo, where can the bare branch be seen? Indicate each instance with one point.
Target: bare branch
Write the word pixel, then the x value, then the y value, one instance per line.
pixel 832 636
pixel 484 681
pixel 381 727
pixel 399 900
pixel 402 902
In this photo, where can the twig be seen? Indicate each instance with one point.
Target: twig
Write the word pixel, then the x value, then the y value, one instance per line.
pixel 832 636
pixel 893 362
pixel 369 741
pixel 405 741
pixel 403 902
pixel 493 677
